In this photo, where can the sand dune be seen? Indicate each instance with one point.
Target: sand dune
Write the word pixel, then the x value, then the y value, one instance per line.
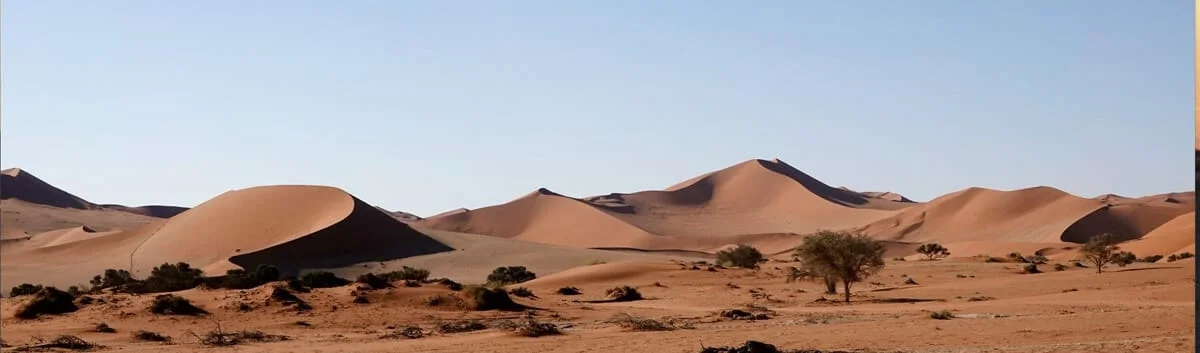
pixel 400 215
pixel 1033 215
pixel 1175 236
pixel 884 195
pixel 21 191
pixel 292 227
pixel 753 200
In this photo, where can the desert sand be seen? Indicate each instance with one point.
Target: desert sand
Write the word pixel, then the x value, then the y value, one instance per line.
pixel 649 240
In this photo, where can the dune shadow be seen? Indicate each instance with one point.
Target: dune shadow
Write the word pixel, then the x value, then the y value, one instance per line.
pixel 1146 269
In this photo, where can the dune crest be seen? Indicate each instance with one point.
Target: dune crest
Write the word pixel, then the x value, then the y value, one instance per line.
pixel 291 227
pixel 21 193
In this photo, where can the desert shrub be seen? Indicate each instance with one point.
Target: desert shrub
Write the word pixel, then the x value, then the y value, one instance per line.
pixel 75 290
pixel 750 347
pixel 221 338
pixel 24 289
pixel 1123 258
pixel 623 294
pixel 933 250
pixel 460 326
pixel 48 300
pixel 980 298
pixel 841 256
pixel 486 298
pixel 361 299
pixel 1036 259
pixel 297 285
pixel 1173 258
pixel 529 328
pixel 597 262
pixel 322 279
pixel 373 281
pixel 1031 269
pixel 569 291
pixel 633 323
pixel 62 342
pixel 521 292
pixel 266 273
pixel 510 275
pixel 738 314
pixel 1099 250
pixel 1060 267
pixel 910 281
pixel 233 279
pixel 103 328
pixel 1151 258
pixel 450 284
pixel 283 295
pixel 111 278
pixel 742 255
pixel 1182 256
pixel 410 332
pixel 143 335
pixel 941 315
pixel 172 277
pixel 408 274
pixel 170 304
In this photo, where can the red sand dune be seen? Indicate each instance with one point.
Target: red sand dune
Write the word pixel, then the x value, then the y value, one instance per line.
pixel 1173 237
pixel 19 184
pixel 292 227
pixel 748 202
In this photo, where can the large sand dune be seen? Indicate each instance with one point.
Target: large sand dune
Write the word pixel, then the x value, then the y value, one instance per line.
pixel 292 227
pixel 748 202
pixel 32 205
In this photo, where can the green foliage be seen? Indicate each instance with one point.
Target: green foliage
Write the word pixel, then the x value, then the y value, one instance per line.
pixel 170 304
pixel 1151 258
pixel 841 256
pixel 408 274
pixel 502 276
pixel 170 278
pixel 24 289
pixel 111 278
pixel 477 297
pixel 744 256
pixel 933 250
pixel 1099 250
pixel 521 292
pixel 48 300
pixel 1123 258
pixel 322 279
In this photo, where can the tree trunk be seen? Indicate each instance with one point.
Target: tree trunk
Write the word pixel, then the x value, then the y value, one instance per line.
pixel 1099 268
pixel 830 285
pixel 846 286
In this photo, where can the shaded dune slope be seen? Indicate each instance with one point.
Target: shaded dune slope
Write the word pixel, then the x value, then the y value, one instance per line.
pixel 292 227
pixel 63 209
pixel 1040 215
pixel 1175 236
pixel 748 202
pixel 19 184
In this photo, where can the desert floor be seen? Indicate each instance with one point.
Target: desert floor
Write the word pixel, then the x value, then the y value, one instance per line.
pixel 1139 308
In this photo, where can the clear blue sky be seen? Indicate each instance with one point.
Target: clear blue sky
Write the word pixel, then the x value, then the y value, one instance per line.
pixel 430 106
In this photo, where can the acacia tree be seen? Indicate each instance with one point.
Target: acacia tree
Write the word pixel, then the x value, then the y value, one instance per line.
pixel 933 250
pixel 1099 250
pixel 841 256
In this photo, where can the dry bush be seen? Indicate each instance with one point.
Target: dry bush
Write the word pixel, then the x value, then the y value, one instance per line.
pixel 1060 267
pixel 104 328
pixel 450 284
pixel 742 255
pixel 569 291
pixel 941 315
pixel 143 335
pixel 170 304
pixel 1030 269
pixel 633 323
pixel 980 298
pixel 487 298
pixel 61 342
pixel 522 292
pixel 756 347
pixel 218 337
pixel 502 276
pixel 410 332
pixel 48 300
pixel 933 251
pixel 373 281
pixel 408 274
pixel 623 294
pixel 322 279
pixel 24 289
pixel 738 314
pixel 460 326
pixel 529 328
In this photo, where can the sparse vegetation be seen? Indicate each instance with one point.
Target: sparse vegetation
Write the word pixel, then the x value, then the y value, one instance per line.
pixel 218 337
pixel 322 279
pixel 1123 258
pixel 450 284
pixel 460 326
pixel 754 347
pixel 486 298
pixel 373 281
pixel 170 304
pixel 522 292
pixel 841 256
pixel 569 291
pixel 1099 250
pixel 61 342
pixel 623 294
pixel 47 301
pixel 24 289
pixel 111 278
pixel 597 262
pixel 143 335
pixel 1060 267
pixel 1151 258
pixel 738 314
pixel 503 276
pixel 1016 256
pixel 1031 269
pixel 408 274
pixel 1180 256
pixel 941 315
pixel 103 328
pixel 633 323
pixel 933 251
pixel 742 255
pixel 240 279
pixel 409 332
pixel 529 328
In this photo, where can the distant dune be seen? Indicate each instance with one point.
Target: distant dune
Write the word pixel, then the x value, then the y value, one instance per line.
pixel 292 227
pixel 1173 237
pixel 753 201
pixel 21 191
pixel 400 215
